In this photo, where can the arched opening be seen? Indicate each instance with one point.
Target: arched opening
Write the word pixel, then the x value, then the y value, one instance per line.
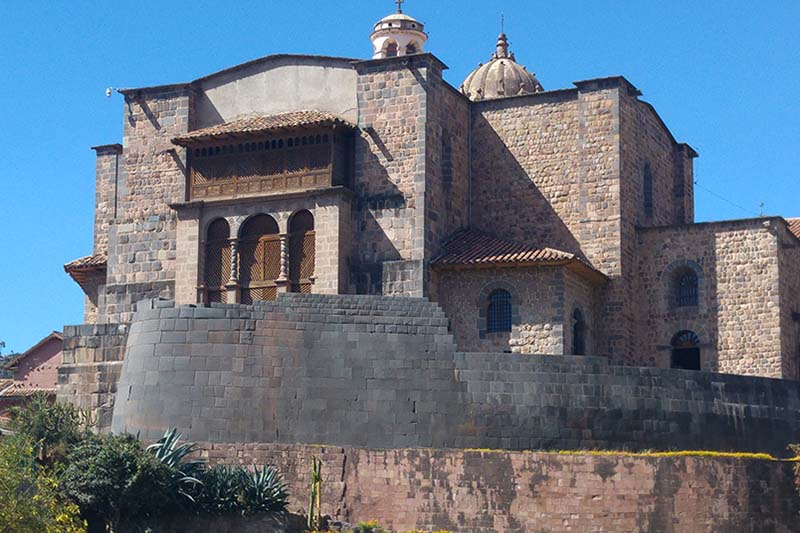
pixel 217 260
pixel 685 351
pixel 498 316
pixel 578 333
pixel 647 192
pixel 259 259
pixel 412 48
pixel 302 253
pixel 391 49
pixel 685 287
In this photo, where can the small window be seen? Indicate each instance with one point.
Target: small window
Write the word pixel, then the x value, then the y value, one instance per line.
pixel 578 333
pixel 391 49
pixel 499 315
pixel 647 185
pixel 411 49
pixel 685 351
pixel 686 288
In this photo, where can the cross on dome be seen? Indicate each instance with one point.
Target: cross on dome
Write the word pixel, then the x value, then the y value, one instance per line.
pixel 399 5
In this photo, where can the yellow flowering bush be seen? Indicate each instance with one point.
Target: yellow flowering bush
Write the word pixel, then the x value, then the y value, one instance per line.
pixel 29 499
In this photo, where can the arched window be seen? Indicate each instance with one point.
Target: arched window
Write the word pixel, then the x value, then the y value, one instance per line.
pixel 498 317
pixel 686 288
pixel 647 186
pixel 412 49
pixel 685 351
pixel 578 333
pixel 217 264
pixel 301 251
pixel 259 259
pixel 391 49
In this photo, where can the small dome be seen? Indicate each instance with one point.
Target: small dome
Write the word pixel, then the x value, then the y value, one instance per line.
pixel 398 35
pixel 502 76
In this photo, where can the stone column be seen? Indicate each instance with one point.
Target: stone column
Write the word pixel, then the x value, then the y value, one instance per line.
pixel 232 287
pixel 283 278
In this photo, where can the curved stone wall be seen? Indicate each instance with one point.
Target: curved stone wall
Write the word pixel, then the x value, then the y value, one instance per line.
pixel 382 372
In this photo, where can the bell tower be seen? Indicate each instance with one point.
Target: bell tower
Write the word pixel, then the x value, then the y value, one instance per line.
pixel 398 35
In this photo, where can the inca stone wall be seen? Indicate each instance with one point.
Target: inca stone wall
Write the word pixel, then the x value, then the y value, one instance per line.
pixel 91 361
pixel 142 241
pixel 489 491
pixel 388 217
pixel 107 169
pixel 383 372
pixel 789 282
pixel 543 299
pixel 738 319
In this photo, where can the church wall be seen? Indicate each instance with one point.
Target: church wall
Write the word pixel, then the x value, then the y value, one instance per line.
pixel 105 204
pixel 538 308
pixel 545 171
pixel 789 264
pixel 738 319
pixel 644 140
pixel 579 294
pixel 388 216
pixel 278 84
pixel 447 164
pixel 142 242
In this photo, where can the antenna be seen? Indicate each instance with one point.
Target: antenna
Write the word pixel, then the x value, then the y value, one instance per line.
pixel 502 23
pixel 761 205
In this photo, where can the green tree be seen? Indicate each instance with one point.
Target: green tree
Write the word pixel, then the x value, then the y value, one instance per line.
pixel 29 498
pixel 116 482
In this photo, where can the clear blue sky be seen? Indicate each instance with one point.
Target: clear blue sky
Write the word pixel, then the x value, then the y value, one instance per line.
pixel 722 74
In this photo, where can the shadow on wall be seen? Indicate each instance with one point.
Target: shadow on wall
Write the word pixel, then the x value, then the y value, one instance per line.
pixel 506 201
pixel 379 204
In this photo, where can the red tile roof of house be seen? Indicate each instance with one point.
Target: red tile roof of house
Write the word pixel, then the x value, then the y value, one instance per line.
pixel 794 226
pixel 81 267
pixel 472 248
pixel 256 124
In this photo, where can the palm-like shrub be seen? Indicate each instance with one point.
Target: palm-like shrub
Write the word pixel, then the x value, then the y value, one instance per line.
pixel 265 491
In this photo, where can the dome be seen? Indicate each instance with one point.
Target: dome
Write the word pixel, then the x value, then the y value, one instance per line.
pixel 502 76
pixel 398 35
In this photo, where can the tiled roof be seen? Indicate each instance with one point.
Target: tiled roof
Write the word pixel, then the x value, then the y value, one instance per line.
pixel 90 262
pixel 794 226
pixel 17 389
pixel 256 124
pixel 473 248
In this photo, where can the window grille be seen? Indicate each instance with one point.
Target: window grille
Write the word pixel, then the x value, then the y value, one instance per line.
pixel 499 313
pixel 687 289
pixel 685 351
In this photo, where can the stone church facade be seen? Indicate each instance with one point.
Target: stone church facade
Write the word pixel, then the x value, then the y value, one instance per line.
pixel 550 222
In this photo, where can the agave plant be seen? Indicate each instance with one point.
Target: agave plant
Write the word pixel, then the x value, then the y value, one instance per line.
pixel 221 491
pixel 265 491
pixel 188 471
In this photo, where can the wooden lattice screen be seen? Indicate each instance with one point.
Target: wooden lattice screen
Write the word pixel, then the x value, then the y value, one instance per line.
pixel 259 259
pixel 302 252
pixel 217 261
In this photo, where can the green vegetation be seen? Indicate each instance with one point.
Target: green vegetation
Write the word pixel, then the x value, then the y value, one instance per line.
pixel 58 476
pixel 315 497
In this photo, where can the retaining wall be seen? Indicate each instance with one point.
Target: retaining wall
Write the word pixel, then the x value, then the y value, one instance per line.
pixel 382 372
pixel 479 491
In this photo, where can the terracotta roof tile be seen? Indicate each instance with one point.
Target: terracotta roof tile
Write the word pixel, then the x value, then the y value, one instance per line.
pixel 473 248
pixel 256 124
pixel 794 226
pixel 90 262
pixel 18 389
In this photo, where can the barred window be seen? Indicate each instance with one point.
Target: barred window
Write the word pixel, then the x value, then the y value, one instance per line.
pixel 217 265
pixel 499 315
pixel 302 253
pixel 686 287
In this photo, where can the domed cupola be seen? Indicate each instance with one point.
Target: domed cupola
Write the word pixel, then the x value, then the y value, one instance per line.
pixel 502 76
pixel 398 35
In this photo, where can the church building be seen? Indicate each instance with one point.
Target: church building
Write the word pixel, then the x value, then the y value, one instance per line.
pixel 546 221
